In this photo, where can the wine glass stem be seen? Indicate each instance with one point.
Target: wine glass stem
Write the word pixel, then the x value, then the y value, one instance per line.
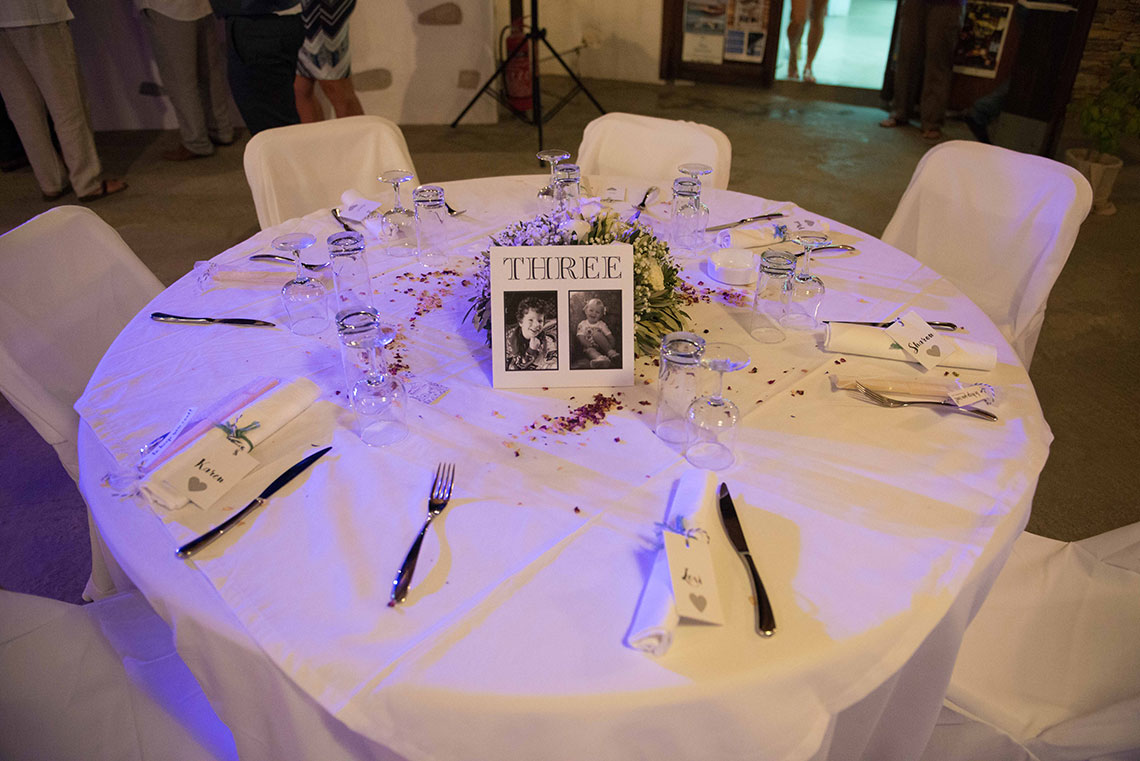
pixel 396 192
pixel 805 271
pixel 297 264
pixel 718 397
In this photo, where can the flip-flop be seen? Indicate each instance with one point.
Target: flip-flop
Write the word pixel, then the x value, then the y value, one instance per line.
pixel 932 135
pixel 891 121
pixel 809 77
pixel 104 191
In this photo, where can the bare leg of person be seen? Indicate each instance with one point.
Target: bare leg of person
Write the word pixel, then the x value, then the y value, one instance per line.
pixel 305 93
pixel 795 34
pixel 814 36
pixel 342 96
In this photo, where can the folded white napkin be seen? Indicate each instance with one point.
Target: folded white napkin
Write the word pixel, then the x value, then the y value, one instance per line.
pixel 750 237
pixel 876 342
pixel 209 273
pixel 656 616
pixel 265 401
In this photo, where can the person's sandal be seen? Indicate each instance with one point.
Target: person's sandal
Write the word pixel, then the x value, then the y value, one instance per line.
pixel 891 121
pixel 932 135
pixel 105 189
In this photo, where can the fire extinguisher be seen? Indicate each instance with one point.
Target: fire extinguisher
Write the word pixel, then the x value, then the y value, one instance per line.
pixel 517 73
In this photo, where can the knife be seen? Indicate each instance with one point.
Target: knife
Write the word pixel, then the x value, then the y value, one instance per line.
pixel 652 190
pixel 192 547
pixel 765 620
pixel 746 220
pixel 164 317
pixel 888 323
pixel 288 260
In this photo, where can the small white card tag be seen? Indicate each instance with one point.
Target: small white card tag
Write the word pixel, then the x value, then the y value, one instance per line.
pixel 979 392
pixel 691 571
pixel 359 210
pixel 166 439
pixel 214 472
pixel 428 392
pixel 920 341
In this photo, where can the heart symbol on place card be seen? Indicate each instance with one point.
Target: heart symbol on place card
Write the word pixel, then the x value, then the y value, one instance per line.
pixel 195 485
pixel 934 351
pixel 699 602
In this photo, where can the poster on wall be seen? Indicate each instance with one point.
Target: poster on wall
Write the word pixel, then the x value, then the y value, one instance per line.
pixel 746 30
pixel 982 38
pixel 705 24
pixel 562 316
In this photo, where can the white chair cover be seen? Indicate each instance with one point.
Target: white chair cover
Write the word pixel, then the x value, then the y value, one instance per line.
pixel 631 145
pixel 1049 669
pixel 70 285
pixel 998 224
pixel 296 169
pixel 101 682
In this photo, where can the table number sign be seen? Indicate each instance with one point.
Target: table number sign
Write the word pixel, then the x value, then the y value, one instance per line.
pixel 562 315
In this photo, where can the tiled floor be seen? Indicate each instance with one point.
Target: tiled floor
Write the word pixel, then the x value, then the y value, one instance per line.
pixel 854 49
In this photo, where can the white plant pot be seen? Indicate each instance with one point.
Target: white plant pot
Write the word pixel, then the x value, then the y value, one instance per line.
pixel 1100 173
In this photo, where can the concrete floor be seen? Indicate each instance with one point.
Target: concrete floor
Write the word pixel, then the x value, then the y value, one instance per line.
pixel 830 157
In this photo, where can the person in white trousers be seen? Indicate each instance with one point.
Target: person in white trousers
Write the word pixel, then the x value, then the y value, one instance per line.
pixel 39 74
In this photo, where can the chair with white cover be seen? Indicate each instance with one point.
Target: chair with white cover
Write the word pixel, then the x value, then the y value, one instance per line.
pixel 1049 669
pixel 998 224
pixel 632 145
pixel 70 285
pixel 99 682
pixel 298 169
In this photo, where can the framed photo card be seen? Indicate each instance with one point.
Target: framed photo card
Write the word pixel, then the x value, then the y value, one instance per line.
pixel 562 315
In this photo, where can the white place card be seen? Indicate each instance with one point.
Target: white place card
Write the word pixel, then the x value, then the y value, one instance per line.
pixel 358 210
pixel 695 592
pixel 562 316
pixel 213 472
pixel 920 341
pixel 978 392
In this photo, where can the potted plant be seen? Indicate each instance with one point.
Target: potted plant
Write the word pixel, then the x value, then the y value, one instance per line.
pixel 1108 116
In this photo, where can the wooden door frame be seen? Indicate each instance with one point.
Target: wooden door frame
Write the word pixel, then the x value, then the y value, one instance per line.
pixel 729 72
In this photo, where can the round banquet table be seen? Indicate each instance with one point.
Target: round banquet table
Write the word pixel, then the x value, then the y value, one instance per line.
pixel 877 532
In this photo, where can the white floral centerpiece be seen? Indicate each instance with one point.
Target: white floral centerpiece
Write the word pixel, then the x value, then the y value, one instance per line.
pixel 656 298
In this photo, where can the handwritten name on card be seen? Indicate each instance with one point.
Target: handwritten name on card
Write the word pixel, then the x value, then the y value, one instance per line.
pixel 979 392
pixel 919 340
pixel 695 592
pixel 213 472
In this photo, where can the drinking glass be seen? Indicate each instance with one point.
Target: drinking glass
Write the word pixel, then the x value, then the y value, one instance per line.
pixel 567 188
pixel 695 170
pixel 712 418
pixel 431 225
pixel 303 296
pixel 689 217
pixel 552 156
pixel 770 302
pixel 378 397
pixel 677 384
pixel 803 291
pixel 351 280
pixel 399 222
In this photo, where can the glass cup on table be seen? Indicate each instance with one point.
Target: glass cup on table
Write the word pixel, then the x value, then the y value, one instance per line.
pixel 695 170
pixel 713 420
pixel 378 396
pixel 399 222
pixel 431 225
pixel 552 156
pixel 689 218
pixel 567 188
pixel 770 301
pixel 677 384
pixel 304 296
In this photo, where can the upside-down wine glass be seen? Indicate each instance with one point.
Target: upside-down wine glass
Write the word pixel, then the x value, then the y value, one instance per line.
pixel 378 396
pixel 804 291
pixel 695 170
pixel 552 156
pixel 712 418
pixel 303 296
pixel 399 221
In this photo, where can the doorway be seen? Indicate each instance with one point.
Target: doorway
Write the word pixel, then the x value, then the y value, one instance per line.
pixel 855 46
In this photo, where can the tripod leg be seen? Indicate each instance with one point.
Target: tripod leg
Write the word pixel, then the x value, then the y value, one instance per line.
pixel 486 85
pixel 573 76
pixel 535 88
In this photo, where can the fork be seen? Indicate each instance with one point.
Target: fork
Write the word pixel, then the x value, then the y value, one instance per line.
pixel 437 500
pixel 886 401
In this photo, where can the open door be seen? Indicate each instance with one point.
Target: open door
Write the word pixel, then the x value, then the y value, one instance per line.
pixel 725 41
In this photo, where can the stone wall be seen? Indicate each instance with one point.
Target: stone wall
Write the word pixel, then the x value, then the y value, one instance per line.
pixel 1115 30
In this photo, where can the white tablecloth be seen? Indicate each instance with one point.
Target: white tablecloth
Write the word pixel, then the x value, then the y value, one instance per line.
pixel 877 532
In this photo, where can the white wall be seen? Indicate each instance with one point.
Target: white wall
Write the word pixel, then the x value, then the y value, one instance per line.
pixel 624 36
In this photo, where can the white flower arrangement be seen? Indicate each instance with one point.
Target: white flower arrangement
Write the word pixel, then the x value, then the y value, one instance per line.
pixel 656 300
